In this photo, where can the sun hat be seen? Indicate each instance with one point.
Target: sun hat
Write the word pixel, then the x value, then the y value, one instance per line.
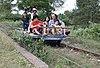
pixel 34 9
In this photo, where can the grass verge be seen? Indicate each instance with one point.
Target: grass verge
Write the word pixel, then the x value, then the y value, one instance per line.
pixel 9 57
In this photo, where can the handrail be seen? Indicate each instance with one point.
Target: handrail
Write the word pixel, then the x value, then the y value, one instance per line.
pixel 57 27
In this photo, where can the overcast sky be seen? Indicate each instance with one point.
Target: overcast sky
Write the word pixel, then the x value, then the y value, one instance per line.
pixel 68 5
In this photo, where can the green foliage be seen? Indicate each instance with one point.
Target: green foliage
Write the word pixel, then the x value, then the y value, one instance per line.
pixel 33 46
pixel 7 15
pixel 5 5
pixel 13 17
pixel 93 32
pixel 5 11
pixel 88 10
pixel 42 15
pixel 66 17
pixel 43 5
pixel 46 53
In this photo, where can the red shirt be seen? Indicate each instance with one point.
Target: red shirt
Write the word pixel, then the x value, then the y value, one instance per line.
pixel 34 23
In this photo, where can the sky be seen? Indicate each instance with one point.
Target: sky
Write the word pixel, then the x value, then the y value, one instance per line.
pixel 68 5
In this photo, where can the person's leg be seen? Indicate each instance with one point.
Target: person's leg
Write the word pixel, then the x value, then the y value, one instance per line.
pixel 58 32
pixel 41 30
pixel 63 32
pixel 53 31
pixel 35 30
pixel 27 25
pixel 23 24
pixel 48 30
pixel 44 30
pixel 29 28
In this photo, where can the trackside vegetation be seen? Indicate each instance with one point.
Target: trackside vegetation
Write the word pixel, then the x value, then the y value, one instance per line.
pixel 53 56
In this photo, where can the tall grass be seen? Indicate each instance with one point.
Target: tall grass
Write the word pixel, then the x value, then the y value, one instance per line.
pixel 93 32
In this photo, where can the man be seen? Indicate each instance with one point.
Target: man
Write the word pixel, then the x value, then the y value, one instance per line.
pixel 36 24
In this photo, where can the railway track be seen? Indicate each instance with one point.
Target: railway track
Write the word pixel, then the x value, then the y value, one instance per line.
pixel 79 49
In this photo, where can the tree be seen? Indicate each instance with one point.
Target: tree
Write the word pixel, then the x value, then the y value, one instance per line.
pixel 66 17
pixel 88 10
pixel 5 5
pixel 44 5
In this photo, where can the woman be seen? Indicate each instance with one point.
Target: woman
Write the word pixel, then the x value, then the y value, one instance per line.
pixel 46 21
pixel 54 17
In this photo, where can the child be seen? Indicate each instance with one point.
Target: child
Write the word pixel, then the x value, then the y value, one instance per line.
pixel 57 28
pixel 25 21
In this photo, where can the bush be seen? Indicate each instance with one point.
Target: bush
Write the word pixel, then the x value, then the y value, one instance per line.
pixel 7 15
pixel 13 17
pixel 93 32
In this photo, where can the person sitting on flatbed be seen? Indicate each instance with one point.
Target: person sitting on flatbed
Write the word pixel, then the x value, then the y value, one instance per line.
pixel 36 25
pixel 57 29
pixel 54 17
pixel 34 12
pixel 46 22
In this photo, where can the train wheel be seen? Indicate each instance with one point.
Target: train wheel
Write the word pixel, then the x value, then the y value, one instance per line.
pixel 52 42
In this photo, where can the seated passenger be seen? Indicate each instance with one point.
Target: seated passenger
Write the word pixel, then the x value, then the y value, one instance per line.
pixel 33 13
pixel 46 21
pixel 36 24
pixel 54 17
pixel 57 29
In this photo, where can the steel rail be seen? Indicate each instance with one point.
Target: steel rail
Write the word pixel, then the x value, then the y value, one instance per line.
pixel 80 49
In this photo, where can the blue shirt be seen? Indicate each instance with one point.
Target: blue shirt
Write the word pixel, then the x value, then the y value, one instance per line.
pixel 51 22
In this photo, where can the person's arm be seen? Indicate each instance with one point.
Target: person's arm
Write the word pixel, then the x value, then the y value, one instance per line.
pixel 40 24
pixel 49 23
pixel 63 30
pixel 45 23
pixel 31 16
pixel 33 26
pixel 63 25
pixel 22 18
